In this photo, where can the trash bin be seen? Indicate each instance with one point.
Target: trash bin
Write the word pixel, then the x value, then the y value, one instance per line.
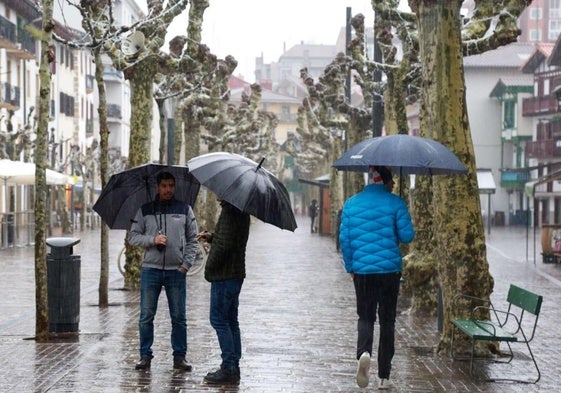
pixel 63 285
pixel 11 221
pixel 7 230
pixel 499 219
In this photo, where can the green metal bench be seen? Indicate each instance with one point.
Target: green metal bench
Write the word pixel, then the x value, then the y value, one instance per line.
pixel 506 326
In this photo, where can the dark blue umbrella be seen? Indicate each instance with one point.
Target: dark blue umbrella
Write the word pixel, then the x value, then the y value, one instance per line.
pixel 405 154
pixel 127 191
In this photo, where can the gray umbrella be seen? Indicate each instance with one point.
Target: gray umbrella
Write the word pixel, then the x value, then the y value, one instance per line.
pixel 245 184
pixel 405 154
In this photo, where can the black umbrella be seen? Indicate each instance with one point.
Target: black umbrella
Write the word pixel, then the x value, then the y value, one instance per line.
pixel 246 185
pixel 405 154
pixel 128 190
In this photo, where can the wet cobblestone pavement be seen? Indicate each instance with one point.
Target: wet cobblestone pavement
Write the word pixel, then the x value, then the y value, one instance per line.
pixel 296 314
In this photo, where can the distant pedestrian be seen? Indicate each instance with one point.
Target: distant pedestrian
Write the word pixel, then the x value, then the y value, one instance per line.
pixel 166 228
pixel 313 213
pixel 373 224
pixel 225 270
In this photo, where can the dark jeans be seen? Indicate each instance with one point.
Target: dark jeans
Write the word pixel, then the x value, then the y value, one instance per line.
pixel 151 283
pixel 377 292
pixel 224 303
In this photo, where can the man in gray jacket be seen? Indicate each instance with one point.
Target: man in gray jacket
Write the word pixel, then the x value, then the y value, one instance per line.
pixel 166 228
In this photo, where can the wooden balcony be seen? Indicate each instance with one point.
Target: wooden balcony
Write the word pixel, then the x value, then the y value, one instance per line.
pixel 543 149
pixel 537 106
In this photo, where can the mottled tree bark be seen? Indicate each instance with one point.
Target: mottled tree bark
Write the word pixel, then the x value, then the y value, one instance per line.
pixel 103 291
pixel 163 131
pixel 63 213
pixel 459 252
pixel 41 293
pixel 141 125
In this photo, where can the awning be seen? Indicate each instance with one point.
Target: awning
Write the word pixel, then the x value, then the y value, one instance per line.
pixel 321 181
pixel 23 173
pixel 485 181
pixel 530 187
pixel 79 185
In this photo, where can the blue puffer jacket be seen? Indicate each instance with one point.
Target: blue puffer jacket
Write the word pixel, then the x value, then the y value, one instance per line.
pixel 373 223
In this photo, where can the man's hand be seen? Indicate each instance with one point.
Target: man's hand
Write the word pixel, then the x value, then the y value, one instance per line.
pixel 182 270
pixel 160 240
pixel 204 236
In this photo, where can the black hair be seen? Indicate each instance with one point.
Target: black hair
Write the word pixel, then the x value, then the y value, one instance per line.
pixel 385 173
pixel 164 176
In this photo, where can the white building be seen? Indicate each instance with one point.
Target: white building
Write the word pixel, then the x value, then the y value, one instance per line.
pixel 482 73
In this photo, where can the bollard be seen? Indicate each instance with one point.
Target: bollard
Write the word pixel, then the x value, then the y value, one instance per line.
pixel 63 285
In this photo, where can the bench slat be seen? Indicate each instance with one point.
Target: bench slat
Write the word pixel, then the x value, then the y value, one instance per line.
pixel 525 299
pixel 474 329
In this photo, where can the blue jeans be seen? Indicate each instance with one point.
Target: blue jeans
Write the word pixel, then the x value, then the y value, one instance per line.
pixel 224 303
pixel 377 293
pixel 151 283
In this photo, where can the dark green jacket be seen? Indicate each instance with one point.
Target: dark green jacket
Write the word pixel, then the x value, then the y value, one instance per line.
pixel 226 259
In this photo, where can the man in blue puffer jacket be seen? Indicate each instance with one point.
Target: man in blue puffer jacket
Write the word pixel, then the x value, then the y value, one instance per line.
pixel 373 223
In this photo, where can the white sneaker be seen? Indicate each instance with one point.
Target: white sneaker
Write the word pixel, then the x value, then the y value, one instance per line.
pixel 383 384
pixel 362 371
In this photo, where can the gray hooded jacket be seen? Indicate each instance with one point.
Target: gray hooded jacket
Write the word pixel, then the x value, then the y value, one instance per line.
pixel 174 219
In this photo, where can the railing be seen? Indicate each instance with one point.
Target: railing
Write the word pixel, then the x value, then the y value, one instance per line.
pixel 109 71
pixel 539 105
pixel 26 40
pixel 514 179
pixel 6 92
pixel 543 149
pixel 7 30
pixel 114 110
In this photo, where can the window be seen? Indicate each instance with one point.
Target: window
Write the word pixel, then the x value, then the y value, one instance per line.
pixel 66 104
pixel 554 9
pixel 509 117
pixel 535 13
pixel 535 35
pixel 554 29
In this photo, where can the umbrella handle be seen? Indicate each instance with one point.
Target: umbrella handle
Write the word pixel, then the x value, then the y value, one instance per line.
pixel 260 162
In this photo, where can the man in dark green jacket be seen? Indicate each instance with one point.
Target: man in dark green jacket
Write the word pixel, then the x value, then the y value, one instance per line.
pixel 225 270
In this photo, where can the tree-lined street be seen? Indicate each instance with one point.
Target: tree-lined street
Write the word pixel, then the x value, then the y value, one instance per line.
pixel 297 318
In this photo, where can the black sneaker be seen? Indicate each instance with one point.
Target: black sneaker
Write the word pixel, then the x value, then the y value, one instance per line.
pixel 223 376
pixel 143 364
pixel 179 363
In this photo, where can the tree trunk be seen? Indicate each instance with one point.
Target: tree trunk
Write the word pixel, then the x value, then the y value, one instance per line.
pixel 64 214
pixel 163 132
pixel 103 291
pixel 141 80
pixel 459 251
pixel 178 134
pixel 41 293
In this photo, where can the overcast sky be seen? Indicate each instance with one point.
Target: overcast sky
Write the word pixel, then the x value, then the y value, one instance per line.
pixel 246 29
